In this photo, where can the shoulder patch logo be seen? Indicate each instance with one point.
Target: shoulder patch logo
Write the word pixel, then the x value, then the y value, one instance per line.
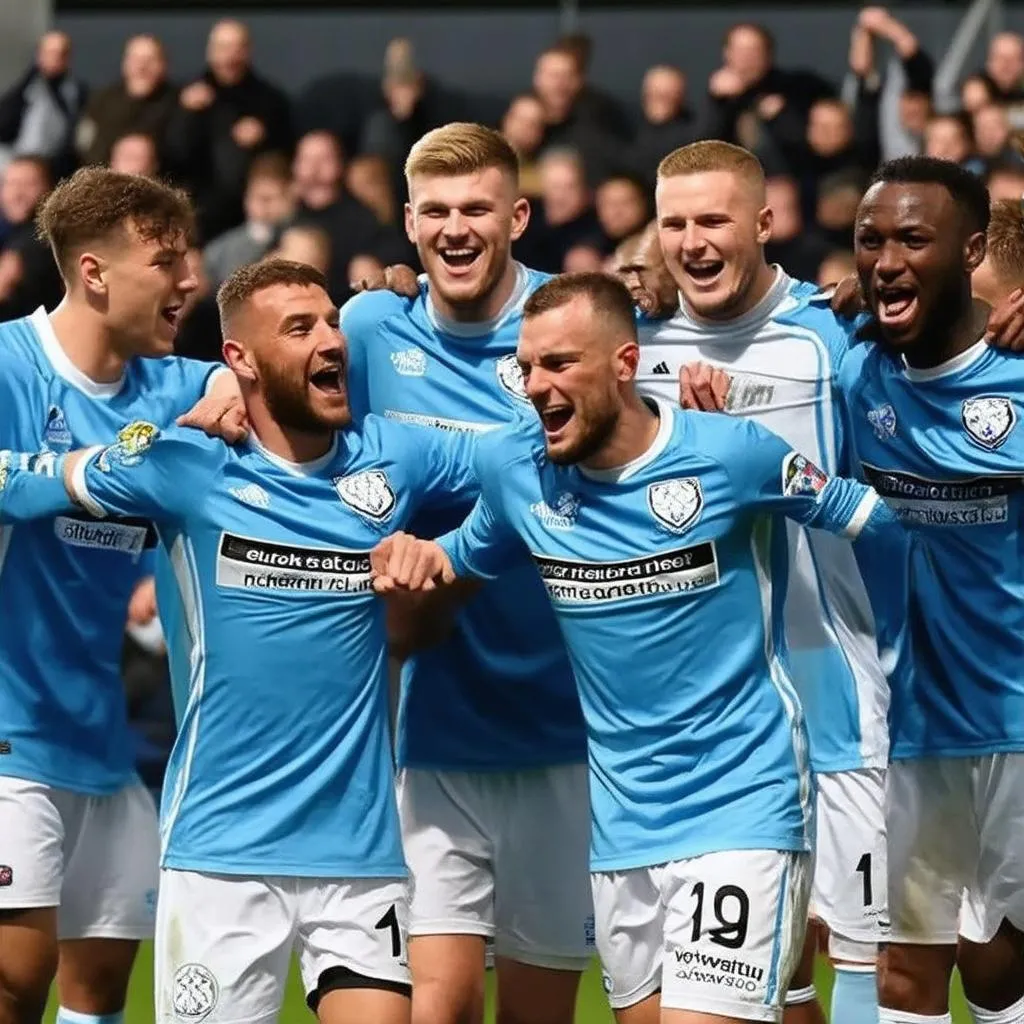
pixel 251 494
pixel 369 493
pixel 801 477
pixel 676 504
pixel 988 420
pixel 561 515
pixel 510 377
pixel 195 992
pixel 409 363
pixel 133 441
pixel 56 436
pixel 883 421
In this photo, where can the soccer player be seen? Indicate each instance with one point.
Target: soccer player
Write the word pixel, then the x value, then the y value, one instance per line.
pixel 491 744
pixel 934 416
pixel 280 826
pixel 78 865
pixel 657 535
pixel 1001 273
pixel 770 350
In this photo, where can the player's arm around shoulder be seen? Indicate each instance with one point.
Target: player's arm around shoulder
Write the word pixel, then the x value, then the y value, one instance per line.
pixel 161 474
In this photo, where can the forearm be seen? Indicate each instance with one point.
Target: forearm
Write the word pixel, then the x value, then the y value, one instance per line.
pixel 32 486
pixel 852 510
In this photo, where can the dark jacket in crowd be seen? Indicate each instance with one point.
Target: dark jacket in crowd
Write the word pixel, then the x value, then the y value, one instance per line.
pixel 111 114
pixel 655 141
pixel 543 246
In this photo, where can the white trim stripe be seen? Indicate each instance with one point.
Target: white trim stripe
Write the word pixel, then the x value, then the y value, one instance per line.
pixel 62 365
pixel 861 514
pixel 79 486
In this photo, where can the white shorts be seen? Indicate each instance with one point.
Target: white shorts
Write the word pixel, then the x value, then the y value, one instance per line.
pixel 850 879
pixel 956 838
pixel 224 943
pixel 719 934
pixel 94 857
pixel 503 855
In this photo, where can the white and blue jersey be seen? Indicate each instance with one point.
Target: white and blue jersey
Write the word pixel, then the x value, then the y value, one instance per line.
pixel 784 356
pixel 498 693
pixel 667 577
pixel 65 583
pixel 945 450
pixel 282 765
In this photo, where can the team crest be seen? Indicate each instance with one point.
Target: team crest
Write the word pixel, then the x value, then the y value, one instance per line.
pixel 56 435
pixel 133 441
pixel 251 494
pixel 801 478
pixel 988 420
pixel 510 377
pixel 676 504
pixel 195 992
pixel 410 363
pixel 883 421
pixel 369 493
pixel 561 514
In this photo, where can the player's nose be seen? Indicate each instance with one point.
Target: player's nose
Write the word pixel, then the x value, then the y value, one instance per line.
pixel 455 225
pixel 891 261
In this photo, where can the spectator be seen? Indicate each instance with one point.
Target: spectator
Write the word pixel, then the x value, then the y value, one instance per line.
pixel 305 243
pixel 523 127
pixel 1004 68
pixel 667 121
pixel 1002 270
pixel 899 101
pixel 975 93
pixel 833 146
pixel 1006 181
pixel 575 116
pixel 222 121
pixel 565 216
pixel 135 154
pixel 584 258
pixel 640 265
pixel 835 267
pixel 368 180
pixel 28 274
pixel 991 128
pixel 269 204
pixel 797 250
pixel 622 208
pixel 199 334
pixel 749 92
pixel 949 137
pixel 352 228
pixel 142 102
pixel 839 196
pixel 39 112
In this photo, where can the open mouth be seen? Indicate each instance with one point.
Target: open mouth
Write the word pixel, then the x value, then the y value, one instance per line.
pixel 895 305
pixel 329 380
pixel 556 418
pixel 459 259
pixel 170 315
pixel 704 271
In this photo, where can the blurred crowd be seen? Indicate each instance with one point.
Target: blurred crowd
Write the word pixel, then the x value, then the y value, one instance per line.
pixel 318 177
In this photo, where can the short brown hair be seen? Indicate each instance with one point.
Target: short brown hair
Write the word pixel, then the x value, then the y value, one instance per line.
pixel 461 148
pixel 606 294
pixel 712 155
pixel 274 167
pixel 95 203
pixel 252 278
pixel 1005 247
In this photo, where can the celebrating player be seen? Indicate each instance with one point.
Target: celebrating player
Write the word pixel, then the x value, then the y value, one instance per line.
pixel 79 857
pixel 655 533
pixel 280 826
pixel 491 746
pixel 934 415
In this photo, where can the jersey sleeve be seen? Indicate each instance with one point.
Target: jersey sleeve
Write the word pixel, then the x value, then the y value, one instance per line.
pixel 32 486
pixel 145 473
pixel 192 379
pixel 775 478
pixel 448 466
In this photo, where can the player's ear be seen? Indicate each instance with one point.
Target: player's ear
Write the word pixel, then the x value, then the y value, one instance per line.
pixel 520 217
pixel 627 359
pixel 238 359
pixel 91 272
pixel 765 219
pixel 410 224
pixel 974 251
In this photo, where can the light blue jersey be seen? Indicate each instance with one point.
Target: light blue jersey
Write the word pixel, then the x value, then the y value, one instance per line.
pixel 784 357
pixel 945 449
pixel 498 693
pixel 283 764
pixel 667 577
pixel 65 583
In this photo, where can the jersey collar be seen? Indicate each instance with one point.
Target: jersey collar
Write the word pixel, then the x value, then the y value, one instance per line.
pixel 620 474
pixel 759 314
pixel 459 329
pixel 311 468
pixel 62 365
pixel 949 367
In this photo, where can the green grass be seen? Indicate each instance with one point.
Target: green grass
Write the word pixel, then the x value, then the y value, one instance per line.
pixel 592 1007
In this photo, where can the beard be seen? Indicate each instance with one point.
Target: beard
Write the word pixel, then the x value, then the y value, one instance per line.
pixel 596 428
pixel 288 403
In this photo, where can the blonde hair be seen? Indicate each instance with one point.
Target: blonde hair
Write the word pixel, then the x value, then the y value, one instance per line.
pixel 461 148
pixel 712 155
pixel 1005 241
